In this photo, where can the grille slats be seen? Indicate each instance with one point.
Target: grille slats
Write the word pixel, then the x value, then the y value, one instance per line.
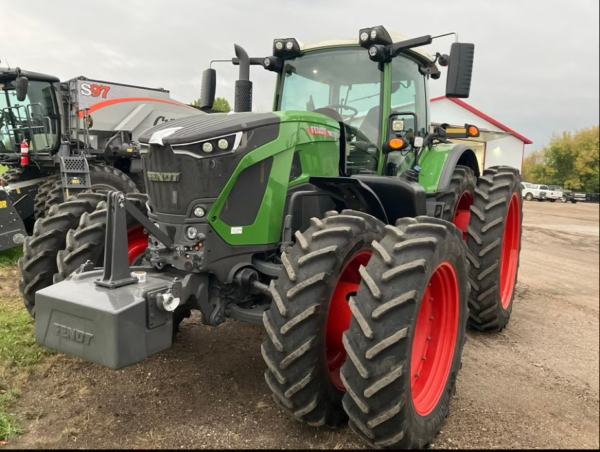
pixel 198 178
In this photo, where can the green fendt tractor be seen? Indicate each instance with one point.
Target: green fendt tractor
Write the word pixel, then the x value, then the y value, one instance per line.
pixel 361 238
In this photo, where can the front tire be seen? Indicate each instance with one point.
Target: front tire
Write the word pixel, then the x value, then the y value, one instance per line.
pixel 407 333
pixel 529 197
pixel 494 244
pixel 304 350
pixel 38 263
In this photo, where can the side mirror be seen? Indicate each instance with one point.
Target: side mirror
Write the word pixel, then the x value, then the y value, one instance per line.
pixel 460 70
pixel 22 85
pixel 208 90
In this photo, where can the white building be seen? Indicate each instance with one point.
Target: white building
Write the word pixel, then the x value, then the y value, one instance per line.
pixel 497 145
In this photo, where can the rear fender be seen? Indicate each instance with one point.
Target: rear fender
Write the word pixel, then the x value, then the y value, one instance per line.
pixel 438 165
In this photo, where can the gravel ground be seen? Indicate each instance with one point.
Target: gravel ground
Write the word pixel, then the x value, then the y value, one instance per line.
pixel 535 385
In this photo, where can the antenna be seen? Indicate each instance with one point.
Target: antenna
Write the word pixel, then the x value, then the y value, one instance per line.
pixel 448 34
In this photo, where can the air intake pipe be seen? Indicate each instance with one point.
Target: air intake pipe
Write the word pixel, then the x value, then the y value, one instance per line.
pixel 243 86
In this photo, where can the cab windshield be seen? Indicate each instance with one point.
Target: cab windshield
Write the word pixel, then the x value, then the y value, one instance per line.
pixel 35 119
pixel 348 82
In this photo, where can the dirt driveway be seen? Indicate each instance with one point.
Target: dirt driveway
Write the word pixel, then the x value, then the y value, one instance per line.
pixel 533 386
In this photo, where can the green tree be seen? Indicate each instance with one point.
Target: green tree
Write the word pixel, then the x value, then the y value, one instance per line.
pixel 571 159
pixel 221 104
pixel 534 168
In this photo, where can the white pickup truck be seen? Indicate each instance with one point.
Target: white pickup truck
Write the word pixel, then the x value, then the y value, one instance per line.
pixel 540 192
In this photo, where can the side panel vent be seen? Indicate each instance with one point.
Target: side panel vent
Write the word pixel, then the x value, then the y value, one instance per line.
pixel 296 170
pixel 246 196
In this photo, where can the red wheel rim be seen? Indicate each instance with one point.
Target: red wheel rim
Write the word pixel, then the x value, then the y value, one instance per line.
pixel 434 340
pixel 510 251
pixel 462 214
pixel 339 316
pixel 137 242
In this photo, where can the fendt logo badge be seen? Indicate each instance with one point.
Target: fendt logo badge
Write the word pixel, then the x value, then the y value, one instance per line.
pixel 162 177
pixel 73 334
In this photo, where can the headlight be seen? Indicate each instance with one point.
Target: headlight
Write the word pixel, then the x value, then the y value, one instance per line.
pixel 191 232
pixel 207 147
pixel 223 144
pixel 397 125
pixel 373 34
pixel 199 212
pixel 286 48
pixel 364 36
pixel 373 51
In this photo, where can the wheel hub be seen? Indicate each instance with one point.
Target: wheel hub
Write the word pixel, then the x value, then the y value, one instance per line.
pixel 510 251
pixel 339 316
pixel 462 214
pixel 434 340
pixel 137 242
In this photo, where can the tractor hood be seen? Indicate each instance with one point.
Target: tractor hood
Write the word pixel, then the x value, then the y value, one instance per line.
pixel 201 128
pixel 191 159
pixel 204 127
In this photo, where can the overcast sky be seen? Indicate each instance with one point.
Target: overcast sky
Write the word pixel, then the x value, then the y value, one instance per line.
pixel 536 67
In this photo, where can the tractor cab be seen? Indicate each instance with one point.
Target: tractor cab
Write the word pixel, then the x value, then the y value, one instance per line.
pixel 29 112
pixel 342 82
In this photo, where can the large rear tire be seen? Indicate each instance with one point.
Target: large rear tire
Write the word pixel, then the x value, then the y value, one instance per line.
pixel 458 199
pixel 41 196
pixel 11 175
pixel 38 263
pixel 407 333
pixel 19 174
pixel 103 178
pixel 304 350
pixel 494 244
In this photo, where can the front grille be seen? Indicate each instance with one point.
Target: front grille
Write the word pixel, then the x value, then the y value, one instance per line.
pixel 196 178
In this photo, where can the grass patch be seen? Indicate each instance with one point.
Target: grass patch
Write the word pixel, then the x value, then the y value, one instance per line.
pixel 17 343
pixel 19 353
pixel 8 423
pixel 9 257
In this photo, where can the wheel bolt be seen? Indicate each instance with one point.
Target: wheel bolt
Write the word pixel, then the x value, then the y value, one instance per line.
pixel 431 299
pixel 424 358
pixel 431 318
pixel 417 375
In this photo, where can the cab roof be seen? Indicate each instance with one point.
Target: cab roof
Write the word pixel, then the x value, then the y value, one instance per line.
pixel 396 37
pixel 10 74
